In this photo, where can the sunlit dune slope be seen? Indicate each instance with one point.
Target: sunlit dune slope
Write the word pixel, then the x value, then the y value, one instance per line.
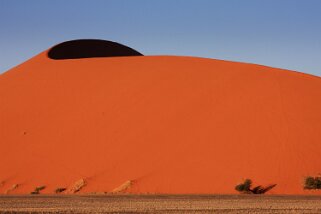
pixel 157 124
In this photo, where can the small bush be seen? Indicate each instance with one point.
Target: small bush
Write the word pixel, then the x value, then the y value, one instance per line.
pixel 38 189
pixel 34 193
pixel 60 190
pixel 312 182
pixel 245 187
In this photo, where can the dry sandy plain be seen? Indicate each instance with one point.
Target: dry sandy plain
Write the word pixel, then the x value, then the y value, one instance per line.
pixel 160 204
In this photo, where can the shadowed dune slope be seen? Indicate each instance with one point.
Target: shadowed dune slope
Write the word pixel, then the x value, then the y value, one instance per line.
pixel 157 124
pixel 90 48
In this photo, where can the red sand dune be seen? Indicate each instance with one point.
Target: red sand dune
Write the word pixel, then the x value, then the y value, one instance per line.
pixel 157 124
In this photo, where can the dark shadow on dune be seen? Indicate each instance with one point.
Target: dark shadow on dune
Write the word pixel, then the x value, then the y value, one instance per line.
pixel 89 48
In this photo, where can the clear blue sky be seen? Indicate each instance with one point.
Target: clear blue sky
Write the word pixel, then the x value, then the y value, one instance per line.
pixel 278 33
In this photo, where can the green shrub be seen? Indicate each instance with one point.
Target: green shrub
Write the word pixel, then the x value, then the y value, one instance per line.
pixel 38 189
pixel 60 190
pixel 245 187
pixel 312 182
pixel 34 193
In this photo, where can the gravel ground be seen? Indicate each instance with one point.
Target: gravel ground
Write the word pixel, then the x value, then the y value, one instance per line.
pixel 159 204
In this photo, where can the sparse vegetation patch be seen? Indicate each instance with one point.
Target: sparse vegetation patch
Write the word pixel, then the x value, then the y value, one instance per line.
pixel 246 188
pixel 312 182
pixel 60 190
pixel 38 189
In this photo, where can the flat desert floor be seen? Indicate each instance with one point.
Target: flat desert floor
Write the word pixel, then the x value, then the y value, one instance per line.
pixel 160 204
